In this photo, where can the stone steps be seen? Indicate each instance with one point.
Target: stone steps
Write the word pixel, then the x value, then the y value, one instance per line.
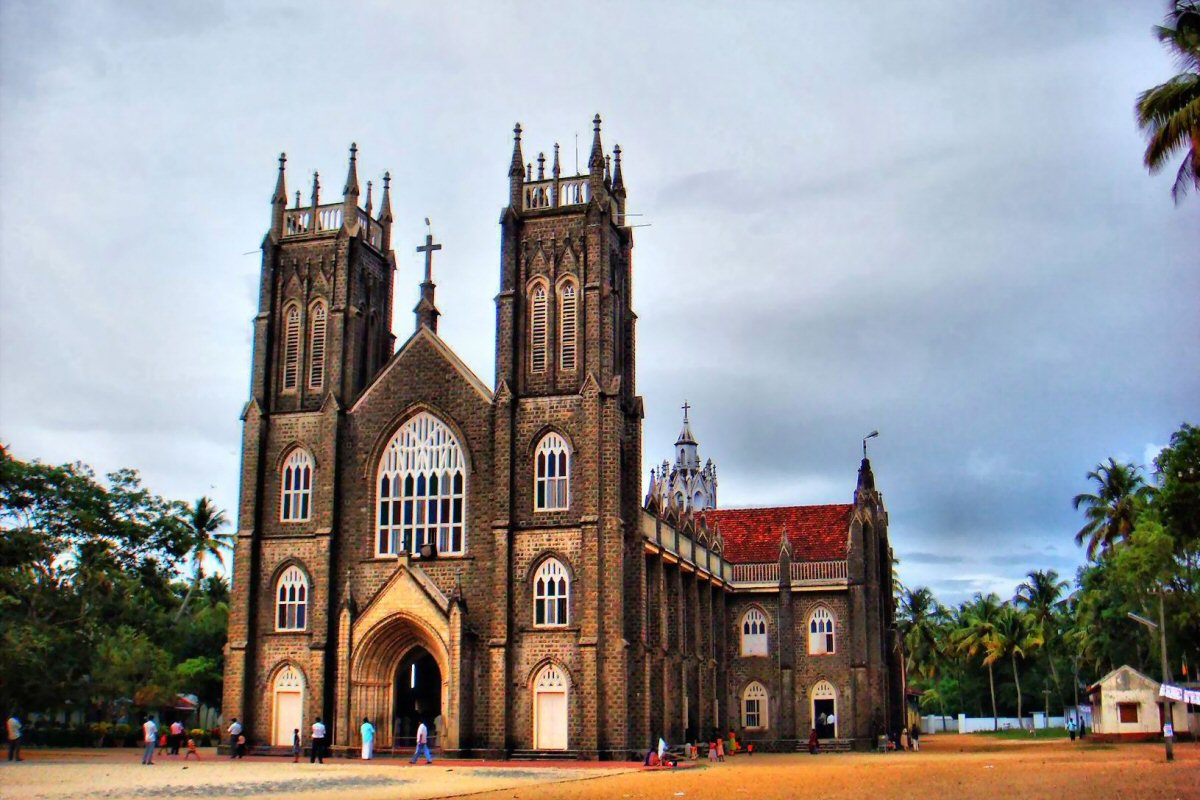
pixel 828 746
pixel 544 755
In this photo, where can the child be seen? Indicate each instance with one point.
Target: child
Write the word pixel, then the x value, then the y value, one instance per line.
pixel 162 745
pixel 295 745
pixel 750 748
pixel 241 746
pixel 720 749
pixel 191 751
pixel 712 752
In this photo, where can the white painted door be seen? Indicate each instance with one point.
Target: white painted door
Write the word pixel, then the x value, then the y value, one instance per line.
pixel 288 713
pixel 551 721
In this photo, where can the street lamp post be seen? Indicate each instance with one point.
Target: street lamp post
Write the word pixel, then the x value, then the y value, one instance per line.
pixel 1168 705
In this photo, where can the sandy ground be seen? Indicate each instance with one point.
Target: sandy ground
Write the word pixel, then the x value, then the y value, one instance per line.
pixel 951 767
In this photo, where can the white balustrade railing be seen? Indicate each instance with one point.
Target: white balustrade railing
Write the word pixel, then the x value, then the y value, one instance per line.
pixel 819 571
pixel 765 572
pixel 541 194
pixel 328 218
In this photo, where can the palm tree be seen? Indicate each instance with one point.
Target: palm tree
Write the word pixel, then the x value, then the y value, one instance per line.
pixel 1041 596
pixel 1015 635
pixel 1112 511
pixel 205 518
pixel 977 629
pixel 1168 113
pixel 921 625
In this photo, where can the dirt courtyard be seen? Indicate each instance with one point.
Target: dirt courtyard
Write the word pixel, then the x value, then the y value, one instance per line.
pixel 952 767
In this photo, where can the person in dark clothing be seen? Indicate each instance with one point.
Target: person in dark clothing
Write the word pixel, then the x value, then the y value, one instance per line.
pixel 914 737
pixel 814 744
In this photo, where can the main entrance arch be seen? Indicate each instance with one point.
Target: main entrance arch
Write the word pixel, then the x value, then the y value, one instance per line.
pixel 550 709
pixel 400 677
pixel 287 706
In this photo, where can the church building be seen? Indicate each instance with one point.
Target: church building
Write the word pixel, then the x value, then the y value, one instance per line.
pixel 415 545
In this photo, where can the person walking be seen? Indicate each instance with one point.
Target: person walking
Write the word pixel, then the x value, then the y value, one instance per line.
pixel 422 744
pixel 295 745
pixel 176 737
pixel 150 739
pixel 1070 728
pixel 368 739
pixel 914 736
pixel 318 743
pixel 14 737
pixel 235 730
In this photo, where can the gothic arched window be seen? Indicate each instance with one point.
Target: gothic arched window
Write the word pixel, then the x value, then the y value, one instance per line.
pixel 567 329
pixel 551 594
pixel 821 632
pixel 316 345
pixel 422 489
pixel 538 327
pixel 296 497
pixel 291 604
pixel 552 476
pixel 291 346
pixel 754 706
pixel 754 633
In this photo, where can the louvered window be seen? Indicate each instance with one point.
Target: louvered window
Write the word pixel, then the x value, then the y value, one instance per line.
pixel 291 347
pixel 567 306
pixel 316 348
pixel 537 329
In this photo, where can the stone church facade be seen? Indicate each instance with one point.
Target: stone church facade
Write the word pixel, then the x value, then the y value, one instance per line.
pixel 415 545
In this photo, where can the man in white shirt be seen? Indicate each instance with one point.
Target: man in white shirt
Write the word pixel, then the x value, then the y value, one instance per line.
pixel 150 739
pixel 235 730
pixel 318 742
pixel 422 744
pixel 176 737
pixel 14 738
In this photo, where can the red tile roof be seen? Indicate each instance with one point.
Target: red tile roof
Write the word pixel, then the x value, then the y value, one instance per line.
pixel 816 533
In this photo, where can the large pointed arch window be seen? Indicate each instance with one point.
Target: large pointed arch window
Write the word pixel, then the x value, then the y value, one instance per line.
pixel 296 497
pixel 538 327
pixel 754 633
pixel 291 604
pixel 568 305
pixel 316 345
pixel 422 487
pixel 821 632
pixel 291 346
pixel 551 594
pixel 552 474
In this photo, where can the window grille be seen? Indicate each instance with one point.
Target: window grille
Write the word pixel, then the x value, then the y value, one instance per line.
pixel 296 500
pixel 754 633
pixel 552 475
pixel 551 594
pixel 821 632
pixel 292 605
pixel 422 490
pixel 754 706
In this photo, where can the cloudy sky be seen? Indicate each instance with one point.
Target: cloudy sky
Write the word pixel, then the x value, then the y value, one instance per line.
pixel 926 218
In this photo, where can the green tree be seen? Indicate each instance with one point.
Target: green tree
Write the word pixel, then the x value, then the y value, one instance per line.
pixel 1015 634
pixel 1111 512
pixel 974 636
pixel 1041 596
pixel 204 542
pixel 1169 114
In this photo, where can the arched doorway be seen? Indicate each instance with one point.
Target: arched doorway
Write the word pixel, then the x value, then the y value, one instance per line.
pixel 417 698
pixel 824 710
pixel 550 709
pixel 287 706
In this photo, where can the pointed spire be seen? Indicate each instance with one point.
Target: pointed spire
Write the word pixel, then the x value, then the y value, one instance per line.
pixel 297 198
pixel 280 195
pixel 279 201
pixel 608 171
pixel 516 169
pixel 385 207
pixel 596 159
pixel 316 192
pixel 541 166
pixel 784 545
pixel 369 203
pixel 618 180
pixel 555 171
pixel 352 172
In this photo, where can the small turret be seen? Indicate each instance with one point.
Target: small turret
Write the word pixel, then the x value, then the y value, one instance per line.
pixel 596 159
pixel 279 201
pixel 516 170
pixel 385 212
pixel 350 193
pixel 618 185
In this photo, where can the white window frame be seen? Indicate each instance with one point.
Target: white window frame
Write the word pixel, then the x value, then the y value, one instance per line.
pixel 296 482
pixel 822 632
pixel 754 707
pixel 552 474
pixel 291 600
pixel 422 489
pixel 551 595
pixel 752 629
